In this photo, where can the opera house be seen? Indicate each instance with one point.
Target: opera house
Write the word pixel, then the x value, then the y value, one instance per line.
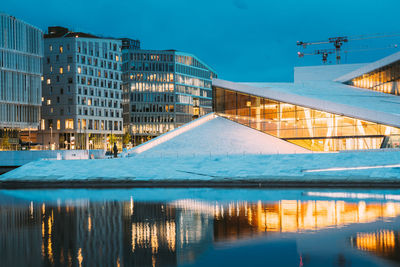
pixel 327 108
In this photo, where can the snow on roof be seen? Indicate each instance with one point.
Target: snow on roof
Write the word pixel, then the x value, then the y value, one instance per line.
pixel 217 135
pixel 369 67
pixel 324 72
pixel 327 96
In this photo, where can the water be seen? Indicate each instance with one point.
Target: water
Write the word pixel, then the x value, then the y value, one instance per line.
pixel 199 227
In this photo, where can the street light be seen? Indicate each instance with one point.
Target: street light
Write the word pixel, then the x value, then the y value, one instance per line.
pixel 51 136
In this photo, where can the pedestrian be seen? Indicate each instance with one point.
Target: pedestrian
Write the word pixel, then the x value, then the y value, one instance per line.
pixel 115 150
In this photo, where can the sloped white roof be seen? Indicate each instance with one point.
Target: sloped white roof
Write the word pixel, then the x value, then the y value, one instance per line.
pixel 324 72
pixel 217 136
pixel 369 67
pixel 327 96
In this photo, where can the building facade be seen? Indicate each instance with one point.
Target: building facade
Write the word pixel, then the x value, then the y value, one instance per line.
pixel 382 76
pixel 82 92
pixel 355 111
pixel 163 89
pixel 21 55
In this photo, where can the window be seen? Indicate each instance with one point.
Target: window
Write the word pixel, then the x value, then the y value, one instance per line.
pixel 58 125
pixel 69 124
pixel 50 48
pixel 61 49
pixel 48 81
pixel 61 70
pixel 79 70
pixel 48 101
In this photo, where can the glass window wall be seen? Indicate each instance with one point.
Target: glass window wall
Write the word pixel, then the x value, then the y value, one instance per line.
pixel 313 129
pixel 385 79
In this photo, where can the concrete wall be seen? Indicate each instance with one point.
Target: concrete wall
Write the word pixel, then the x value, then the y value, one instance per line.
pixel 19 158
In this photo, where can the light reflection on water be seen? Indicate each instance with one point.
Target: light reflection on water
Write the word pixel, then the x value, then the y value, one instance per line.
pixel 195 231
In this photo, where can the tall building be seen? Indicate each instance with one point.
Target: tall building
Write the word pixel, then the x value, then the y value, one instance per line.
pixel 163 89
pixel 82 93
pixel 21 53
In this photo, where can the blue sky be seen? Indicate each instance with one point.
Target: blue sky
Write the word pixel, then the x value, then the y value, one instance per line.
pixel 251 40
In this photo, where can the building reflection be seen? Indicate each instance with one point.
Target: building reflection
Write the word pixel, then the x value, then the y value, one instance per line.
pixel 167 234
pixel 383 243
pixel 245 219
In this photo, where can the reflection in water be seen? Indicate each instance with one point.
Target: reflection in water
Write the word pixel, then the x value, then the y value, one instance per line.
pixel 384 243
pixel 113 233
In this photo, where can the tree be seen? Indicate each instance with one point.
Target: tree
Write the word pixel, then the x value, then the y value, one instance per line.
pixel 127 138
pixel 113 139
pixel 6 142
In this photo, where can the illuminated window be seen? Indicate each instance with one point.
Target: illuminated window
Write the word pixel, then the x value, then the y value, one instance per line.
pixel 42 124
pixel 48 101
pixel 89 102
pixel 79 70
pixel 58 125
pixel 48 81
pixel 50 47
pixel 69 68
pixel 69 124
pixel 61 70
pixel 61 49
pixel 42 78
pixel 51 110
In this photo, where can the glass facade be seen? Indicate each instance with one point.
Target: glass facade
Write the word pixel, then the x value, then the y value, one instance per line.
pixel 163 89
pixel 385 79
pixel 21 55
pixel 310 128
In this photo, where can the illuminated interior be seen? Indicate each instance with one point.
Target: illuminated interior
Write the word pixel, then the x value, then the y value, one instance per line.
pixel 310 128
pixel 385 79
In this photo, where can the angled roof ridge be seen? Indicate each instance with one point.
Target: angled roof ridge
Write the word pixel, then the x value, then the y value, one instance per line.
pixel 340 99
pixel 369 67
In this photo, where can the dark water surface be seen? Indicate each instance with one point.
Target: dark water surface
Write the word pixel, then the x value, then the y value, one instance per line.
pixel 199 227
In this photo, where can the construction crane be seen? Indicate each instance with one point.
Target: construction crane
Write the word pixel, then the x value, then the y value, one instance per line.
pixel 337 44
pixel 323 52
pixel 326 52
pixel 336 41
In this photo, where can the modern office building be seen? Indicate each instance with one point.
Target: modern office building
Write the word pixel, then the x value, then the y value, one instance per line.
pixel 21 54
pixel 163 89
pixel 82 92
pixel 324 112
